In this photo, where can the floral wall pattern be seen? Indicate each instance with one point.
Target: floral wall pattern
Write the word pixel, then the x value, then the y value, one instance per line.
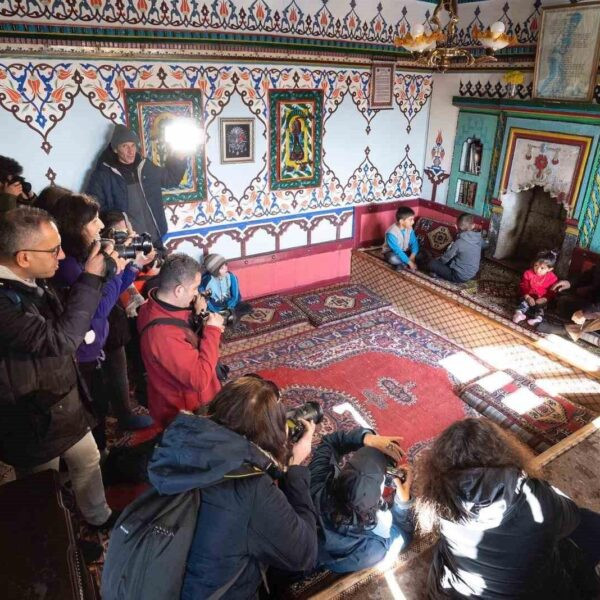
pixel 40 94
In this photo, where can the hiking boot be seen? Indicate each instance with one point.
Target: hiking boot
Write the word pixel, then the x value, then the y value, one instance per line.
pixel 518 316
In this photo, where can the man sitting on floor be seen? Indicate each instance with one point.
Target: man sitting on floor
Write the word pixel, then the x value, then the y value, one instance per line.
pixel 180 361
pixel 356 529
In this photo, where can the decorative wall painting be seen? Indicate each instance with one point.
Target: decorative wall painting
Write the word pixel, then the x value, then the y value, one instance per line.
pixel 149 112
pixel 295 138
pixel 236 140
pixel 568 47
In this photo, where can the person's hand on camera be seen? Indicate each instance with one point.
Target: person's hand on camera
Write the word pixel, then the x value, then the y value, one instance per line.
pixel 119 261
pixel 141 259
pixel 14 189
pixel 95 263
pixel 216 320
pixel 200 304
pixel 302 448
pixel 389 445
pixel 403 488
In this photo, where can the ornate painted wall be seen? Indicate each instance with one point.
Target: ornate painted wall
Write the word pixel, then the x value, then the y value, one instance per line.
pixel 57 118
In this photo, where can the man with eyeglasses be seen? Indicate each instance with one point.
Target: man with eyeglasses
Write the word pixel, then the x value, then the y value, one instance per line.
pixel 43 407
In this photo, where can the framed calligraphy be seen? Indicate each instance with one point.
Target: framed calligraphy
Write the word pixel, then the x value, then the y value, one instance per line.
pixel 381 86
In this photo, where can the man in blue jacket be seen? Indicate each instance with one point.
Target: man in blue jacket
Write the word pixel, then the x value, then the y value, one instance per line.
pixel 126 181
pixel 354 528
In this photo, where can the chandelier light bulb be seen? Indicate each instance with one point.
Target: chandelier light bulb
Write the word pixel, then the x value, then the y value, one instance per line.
pixel 497 28
pixel 417 29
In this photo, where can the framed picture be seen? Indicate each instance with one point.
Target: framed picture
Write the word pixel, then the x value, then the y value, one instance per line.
pixel 566 60
pixel 149 112
pixel 295 138
pixel 381 86
pixel 237 140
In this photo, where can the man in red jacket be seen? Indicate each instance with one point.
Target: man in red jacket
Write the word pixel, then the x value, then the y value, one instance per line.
pixel 180 362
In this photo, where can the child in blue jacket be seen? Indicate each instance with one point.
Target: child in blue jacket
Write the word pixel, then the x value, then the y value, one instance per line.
pixel 401 247
pixel 223 286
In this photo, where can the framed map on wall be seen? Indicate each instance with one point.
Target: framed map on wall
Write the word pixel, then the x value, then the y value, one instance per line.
pixel 295 138
pixel 149 112
pixel 566 61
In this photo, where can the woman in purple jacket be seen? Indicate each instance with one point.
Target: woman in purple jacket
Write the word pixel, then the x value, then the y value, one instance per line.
pixel 79 226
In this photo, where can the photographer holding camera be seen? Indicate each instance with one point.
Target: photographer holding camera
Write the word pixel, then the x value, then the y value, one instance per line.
pixel 179 350
pixel 14 189
pixel 80 225
pixel 246 523
pixel 361 521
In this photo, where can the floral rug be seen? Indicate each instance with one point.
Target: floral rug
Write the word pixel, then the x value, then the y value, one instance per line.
pixel 268 314
pixel 338 302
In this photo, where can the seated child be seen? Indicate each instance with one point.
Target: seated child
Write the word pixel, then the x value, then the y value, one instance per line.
pixel 399 239
pixel 535 289
pixel 460 261
pixel 223 286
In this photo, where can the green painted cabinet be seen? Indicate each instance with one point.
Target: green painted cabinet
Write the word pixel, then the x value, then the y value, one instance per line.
pixel 471 161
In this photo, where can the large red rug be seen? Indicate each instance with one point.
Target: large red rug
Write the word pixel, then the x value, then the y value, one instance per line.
pixel 378 370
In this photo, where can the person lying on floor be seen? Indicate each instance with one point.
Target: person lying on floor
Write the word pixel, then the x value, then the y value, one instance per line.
pixel 460 262
pixel 356 529
pixel 504 533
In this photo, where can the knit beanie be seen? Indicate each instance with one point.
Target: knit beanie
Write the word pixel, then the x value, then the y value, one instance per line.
pixel 122 135
pixel 213 262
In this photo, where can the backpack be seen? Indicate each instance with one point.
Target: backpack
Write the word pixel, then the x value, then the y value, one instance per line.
pixel 148 547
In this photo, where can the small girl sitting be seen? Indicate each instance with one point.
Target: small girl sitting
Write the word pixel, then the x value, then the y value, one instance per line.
pixel 535 289
pixel 223 287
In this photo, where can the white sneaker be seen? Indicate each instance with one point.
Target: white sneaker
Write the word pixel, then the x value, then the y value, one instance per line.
pixel 518 316
pixel 535 321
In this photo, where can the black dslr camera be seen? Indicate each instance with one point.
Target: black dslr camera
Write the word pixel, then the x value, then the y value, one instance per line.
pixel 389 486
pixel 227 315
pixel 139 243
pixel 311 411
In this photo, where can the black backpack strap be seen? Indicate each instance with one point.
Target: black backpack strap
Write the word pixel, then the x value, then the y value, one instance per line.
pixel 165 321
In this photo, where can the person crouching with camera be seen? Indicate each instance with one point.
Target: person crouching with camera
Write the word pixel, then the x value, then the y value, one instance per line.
pixel 79 225
pixel 246 521
pixel 365 514
pixel 15 190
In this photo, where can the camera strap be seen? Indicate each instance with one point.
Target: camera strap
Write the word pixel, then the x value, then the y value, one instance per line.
pixel 166 321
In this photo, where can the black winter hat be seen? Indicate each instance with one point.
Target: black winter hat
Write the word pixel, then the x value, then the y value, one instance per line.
pixel 362 478
pixel 122 135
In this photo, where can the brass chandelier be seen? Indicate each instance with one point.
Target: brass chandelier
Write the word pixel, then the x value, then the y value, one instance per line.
pixel 430 54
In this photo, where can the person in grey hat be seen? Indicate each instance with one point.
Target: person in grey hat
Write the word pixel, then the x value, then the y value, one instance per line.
pixel 124 180
pixel 224 288
pixel 358 526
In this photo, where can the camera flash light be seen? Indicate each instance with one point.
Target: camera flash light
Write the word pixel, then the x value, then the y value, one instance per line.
pixel 183 135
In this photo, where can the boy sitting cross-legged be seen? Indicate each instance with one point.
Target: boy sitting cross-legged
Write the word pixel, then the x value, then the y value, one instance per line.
pixel 401 247
pixel 461 260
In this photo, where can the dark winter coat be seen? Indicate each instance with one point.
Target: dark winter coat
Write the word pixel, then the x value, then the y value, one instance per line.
pixel 109 187
pixel 41 409
pixel 507 546
pixel 244 522
pixel 463 255
pixel 343 548
pixel 69 270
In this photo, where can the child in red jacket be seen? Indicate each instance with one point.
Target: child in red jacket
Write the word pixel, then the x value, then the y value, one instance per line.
pixel 535 289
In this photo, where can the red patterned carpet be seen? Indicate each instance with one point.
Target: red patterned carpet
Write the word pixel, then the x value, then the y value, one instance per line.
pixel 378 370
pixel 338 302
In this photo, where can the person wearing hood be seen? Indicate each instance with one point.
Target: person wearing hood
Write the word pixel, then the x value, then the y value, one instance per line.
pixel 503 532
pixel 126 181
pixel 247 522
pixel 356 528
pixel 460 262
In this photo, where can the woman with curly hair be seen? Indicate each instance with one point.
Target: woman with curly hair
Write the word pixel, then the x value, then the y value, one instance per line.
pixel 504 533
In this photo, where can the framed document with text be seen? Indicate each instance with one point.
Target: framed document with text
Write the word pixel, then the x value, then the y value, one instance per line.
pixel 566 62
pixel 382 85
